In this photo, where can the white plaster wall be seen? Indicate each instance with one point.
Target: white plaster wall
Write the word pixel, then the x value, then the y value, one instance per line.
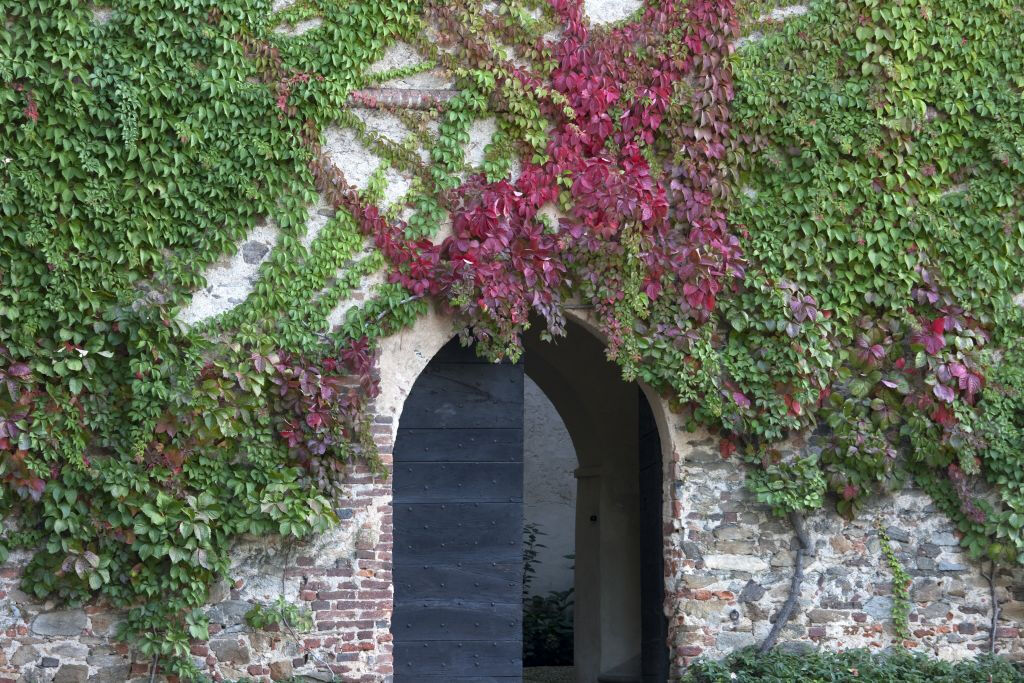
pixel 549 463
pixel 608 11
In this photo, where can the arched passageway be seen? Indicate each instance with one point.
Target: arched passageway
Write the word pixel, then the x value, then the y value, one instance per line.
pixel 458 515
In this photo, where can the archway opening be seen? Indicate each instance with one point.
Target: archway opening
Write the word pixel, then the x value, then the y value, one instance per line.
pixel 549 539
pixel 459 517
pixel 620 629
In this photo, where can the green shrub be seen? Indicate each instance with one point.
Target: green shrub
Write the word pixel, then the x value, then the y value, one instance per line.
pixel 858 666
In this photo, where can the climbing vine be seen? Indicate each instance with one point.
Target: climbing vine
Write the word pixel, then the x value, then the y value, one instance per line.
pixel 813 237
pixel 900 585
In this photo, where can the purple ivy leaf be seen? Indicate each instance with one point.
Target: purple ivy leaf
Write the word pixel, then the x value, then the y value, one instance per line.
pixel 741 400
pixel 943 393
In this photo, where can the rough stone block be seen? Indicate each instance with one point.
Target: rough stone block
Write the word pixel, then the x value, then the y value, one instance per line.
pixel 72 673
pixel 926 591
pixel 26 654
pixel 820 616
pixel 117 673
pixel 229 612
pixel 944 539
pixel 231 650
pixel 740 563
pixel 61 623
pixel 731 532
pixel 898 535
pixel 752 592
pixel 797 647
pixel 281 671
pixel 878 608
pixel 936 610
pixel 735 640
pixel 736 547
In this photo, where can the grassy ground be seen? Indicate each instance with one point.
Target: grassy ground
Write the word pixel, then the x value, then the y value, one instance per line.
pixel 549 674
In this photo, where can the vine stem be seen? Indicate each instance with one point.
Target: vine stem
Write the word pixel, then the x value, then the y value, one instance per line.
pixel 295 636
pixel 152 668
pixel 803 545
pixel 288 548
pixel 403 302
pixel 991 576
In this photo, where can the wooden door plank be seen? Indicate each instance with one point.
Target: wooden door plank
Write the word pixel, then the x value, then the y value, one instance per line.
pixel 436 482
pixel 448 619
pixel 466 396
pixel 460 445
pixel 418 659
pixel 488 581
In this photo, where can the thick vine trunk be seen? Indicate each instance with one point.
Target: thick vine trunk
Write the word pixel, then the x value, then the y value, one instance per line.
pixel 803 544
pixel 995 607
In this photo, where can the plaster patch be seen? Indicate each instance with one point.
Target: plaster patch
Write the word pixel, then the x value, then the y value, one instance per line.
pixel 102 15
pixel 403 55
pixel 609 11
pixel 357 163
pixel 337 315
pixel 319 214
pixel 403 357
pixel 480 133
pixel 777 14
pixel 383 123
pixel 434 130
pixel 396 187
pixel 353 159
pixel 261 567
pixel 299 28
pixel 229 282
pixel 783 13
pixel 281 5
pixel 551 214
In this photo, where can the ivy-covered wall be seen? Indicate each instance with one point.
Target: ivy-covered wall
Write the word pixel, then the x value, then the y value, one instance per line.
pixel 231 233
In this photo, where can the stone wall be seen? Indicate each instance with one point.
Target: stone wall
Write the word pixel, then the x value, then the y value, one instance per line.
pixel 737 564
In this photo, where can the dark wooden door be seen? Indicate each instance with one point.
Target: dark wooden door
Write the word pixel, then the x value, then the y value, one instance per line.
pixel 654 657
pixel 458 523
